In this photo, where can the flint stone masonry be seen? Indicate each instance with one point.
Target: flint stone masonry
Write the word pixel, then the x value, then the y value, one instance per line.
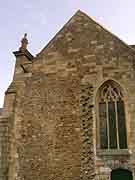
pixel 51 109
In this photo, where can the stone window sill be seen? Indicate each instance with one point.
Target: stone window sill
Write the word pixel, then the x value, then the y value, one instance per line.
pixel 113 152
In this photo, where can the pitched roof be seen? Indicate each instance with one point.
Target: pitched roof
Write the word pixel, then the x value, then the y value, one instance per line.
pixel 79 12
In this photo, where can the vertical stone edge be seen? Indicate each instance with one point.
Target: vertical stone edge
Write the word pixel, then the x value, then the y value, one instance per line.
pixel 87 121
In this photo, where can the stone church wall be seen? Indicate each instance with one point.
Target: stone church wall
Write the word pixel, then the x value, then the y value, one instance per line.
pixel 55 106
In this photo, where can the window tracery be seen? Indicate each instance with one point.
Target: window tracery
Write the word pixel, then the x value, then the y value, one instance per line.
pixel 112 124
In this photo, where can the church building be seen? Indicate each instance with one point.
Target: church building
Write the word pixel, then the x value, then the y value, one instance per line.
pixel 69 113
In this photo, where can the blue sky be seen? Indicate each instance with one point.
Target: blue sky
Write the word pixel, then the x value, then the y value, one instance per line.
pixel 41 19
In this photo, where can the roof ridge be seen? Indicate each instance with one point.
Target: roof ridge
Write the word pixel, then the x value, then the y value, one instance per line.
pixel 57 33
pixel 106 29
pixel 86 15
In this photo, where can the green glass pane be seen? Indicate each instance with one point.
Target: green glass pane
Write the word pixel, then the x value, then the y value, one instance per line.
pixel 112 125
pixel 103 126
pixel 120 174
pixel 122 125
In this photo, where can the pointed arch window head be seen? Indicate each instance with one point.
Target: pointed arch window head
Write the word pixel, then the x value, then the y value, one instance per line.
pixel 111 112
pixel 110 93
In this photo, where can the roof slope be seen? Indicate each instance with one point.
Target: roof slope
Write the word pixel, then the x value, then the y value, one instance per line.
pixel 83 27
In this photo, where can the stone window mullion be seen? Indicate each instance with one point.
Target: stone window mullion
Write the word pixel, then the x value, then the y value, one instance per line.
pixel 117 127
pixel 108 130
pixel 111 115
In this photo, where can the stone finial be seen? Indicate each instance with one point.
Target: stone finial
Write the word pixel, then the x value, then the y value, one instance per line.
pixel 23 49
pixel 24 43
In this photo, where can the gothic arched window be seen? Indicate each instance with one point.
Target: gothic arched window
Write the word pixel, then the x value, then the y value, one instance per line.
pixel 111 112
